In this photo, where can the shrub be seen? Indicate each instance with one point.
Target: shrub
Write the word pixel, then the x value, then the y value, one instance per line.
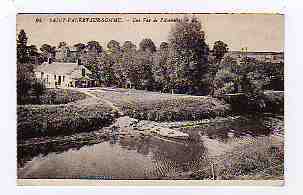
pixel 38 89
pixel 224 82
pixel 50 120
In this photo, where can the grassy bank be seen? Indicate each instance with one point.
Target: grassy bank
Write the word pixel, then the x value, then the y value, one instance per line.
pixel 254 159
pixel 54 96
pixel 63 119
pixel 165 107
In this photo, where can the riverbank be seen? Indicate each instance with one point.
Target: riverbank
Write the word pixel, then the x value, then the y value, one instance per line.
pixel 162 107
pixel 101 107
pixel 54 97
pixel 62 119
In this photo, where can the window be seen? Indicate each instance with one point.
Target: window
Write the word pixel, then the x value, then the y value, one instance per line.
pixel 55 77
pixel 63 77
pixel 42 73
pixel 47 78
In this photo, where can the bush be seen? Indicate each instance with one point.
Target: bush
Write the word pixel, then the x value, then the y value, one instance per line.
pixel 54 97
pixel 224 82
pixel 51 120
pixel 176 109
pixel 25 78
pixel 38 89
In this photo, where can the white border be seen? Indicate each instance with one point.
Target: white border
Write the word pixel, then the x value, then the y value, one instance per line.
pixel 294 66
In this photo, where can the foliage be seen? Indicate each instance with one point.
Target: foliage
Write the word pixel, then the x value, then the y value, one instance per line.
pixel 52 120
pixel 25 77
pixel 165 107
pixel 22 50
pixel 160 68
pixel 147 45
pixel 219 50
pixel 189 56
pixel 47 51
pixel 224 82
pixel 142 72
pixel 25 70
pixel 80 46
pixel 114 53
pixel 55 96
pixel 38 89
pixel 128 61
pixel 94 46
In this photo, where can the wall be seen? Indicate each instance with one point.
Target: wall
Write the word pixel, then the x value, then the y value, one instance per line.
pixel 50 81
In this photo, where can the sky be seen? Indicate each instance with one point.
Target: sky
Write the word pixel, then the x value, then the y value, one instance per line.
pixel 257 32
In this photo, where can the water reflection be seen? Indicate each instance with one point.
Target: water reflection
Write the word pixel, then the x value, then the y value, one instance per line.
pixel 134 156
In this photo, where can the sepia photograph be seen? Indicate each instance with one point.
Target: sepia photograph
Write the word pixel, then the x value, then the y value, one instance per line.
pixel 195 97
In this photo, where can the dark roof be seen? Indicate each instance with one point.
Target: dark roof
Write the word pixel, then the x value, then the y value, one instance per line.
pixel 62 68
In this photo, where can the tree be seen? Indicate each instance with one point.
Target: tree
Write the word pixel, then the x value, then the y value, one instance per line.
pixel 103 71
pixel 80 46
pixel 160 68
pixel 147 44
pixel 46 48
pixel 25 77
pixel 113 46
pixel 22 50
pixel 144 65
pixel 219 50
pixel 115 59
pixel 47 51
pixel 94 46
pixel 224 82
pixel 38 89
pixel 32 50
pixel 128 46
pixel 189 56
pixel 128 61
pixel 91 54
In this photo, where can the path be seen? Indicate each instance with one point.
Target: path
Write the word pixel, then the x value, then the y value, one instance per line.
pixel 92 95
pixel 147 126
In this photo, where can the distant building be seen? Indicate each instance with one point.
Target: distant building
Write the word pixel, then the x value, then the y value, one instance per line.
pixel 66 54
pixel 273 57
pixel 64 74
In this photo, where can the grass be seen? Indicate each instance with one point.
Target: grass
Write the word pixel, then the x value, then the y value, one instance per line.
pixel 54 96
pixel 254 160
pixel 50 120
pixel 165 107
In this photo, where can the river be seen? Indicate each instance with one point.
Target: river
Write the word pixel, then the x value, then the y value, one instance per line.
pixel 133 155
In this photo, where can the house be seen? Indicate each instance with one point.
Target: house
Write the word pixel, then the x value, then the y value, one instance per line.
pixel 67 54
pixel 64 74
pixel 273 57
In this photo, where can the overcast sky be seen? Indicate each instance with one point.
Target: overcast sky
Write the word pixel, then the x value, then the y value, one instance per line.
pixel 257 32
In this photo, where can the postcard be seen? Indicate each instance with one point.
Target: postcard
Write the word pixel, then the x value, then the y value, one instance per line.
pixel 150 99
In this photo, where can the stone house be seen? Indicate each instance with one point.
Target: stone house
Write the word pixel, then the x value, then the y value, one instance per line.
pixel 63 74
